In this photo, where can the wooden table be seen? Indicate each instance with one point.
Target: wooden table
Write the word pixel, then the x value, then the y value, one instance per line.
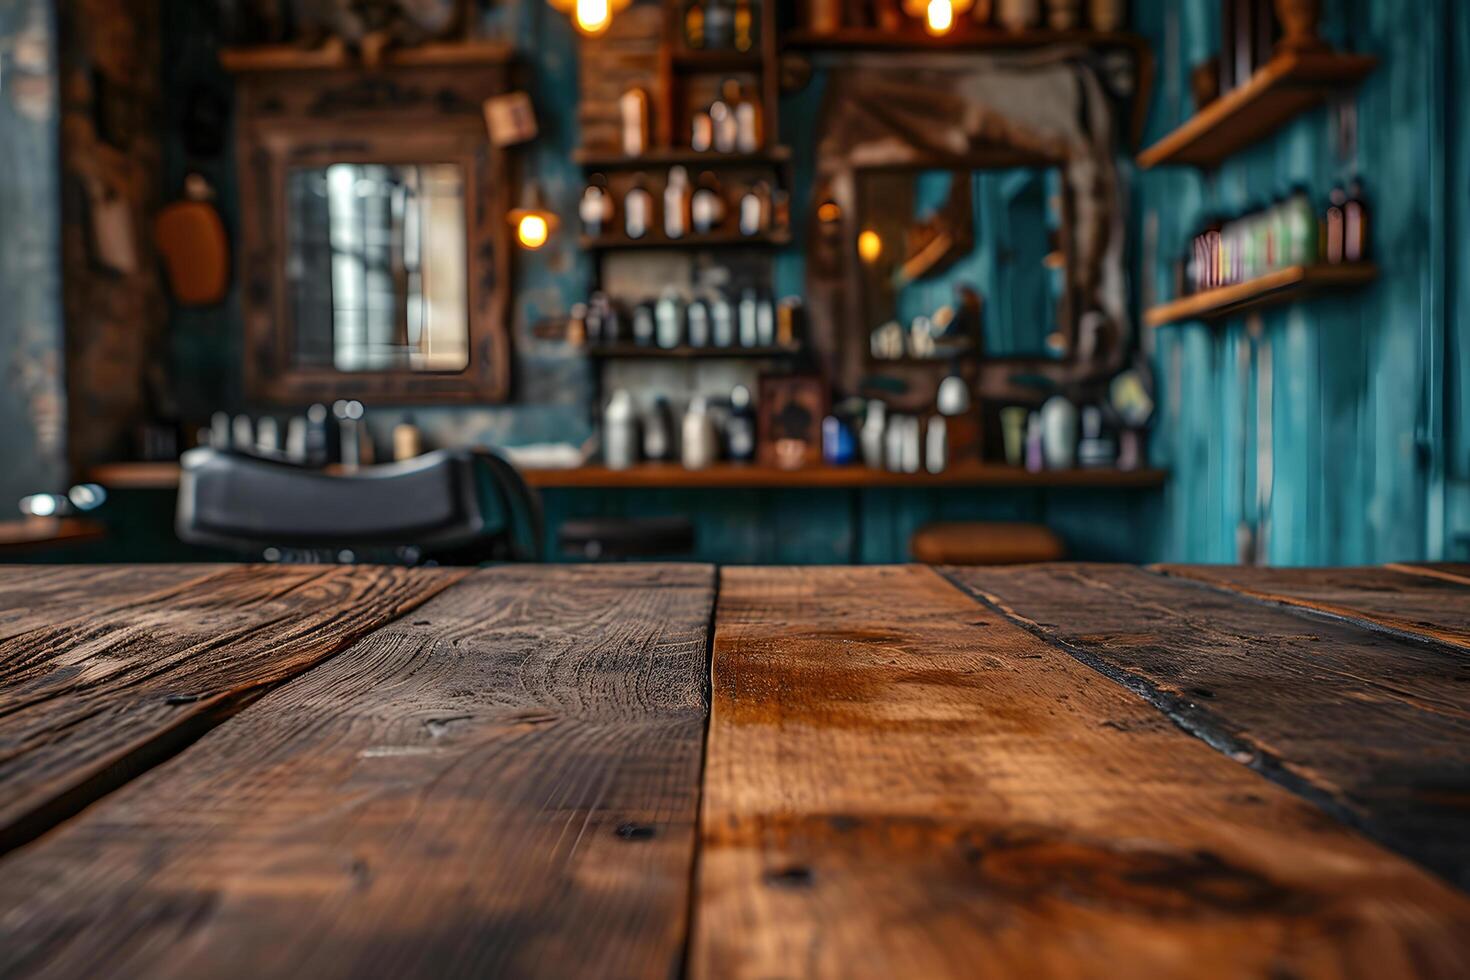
pixel 665 770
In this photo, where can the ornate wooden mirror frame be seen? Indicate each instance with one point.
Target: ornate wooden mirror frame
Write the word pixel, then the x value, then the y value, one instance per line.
pixel 986 158
pixel 969 112
pixel 423 115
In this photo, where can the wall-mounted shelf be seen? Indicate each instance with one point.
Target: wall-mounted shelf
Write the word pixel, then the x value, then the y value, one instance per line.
pixel 751 62
pixel 633 352
pixel 873 39
pixel 291 57
pixel 724 239
pixel 1284 88
pixel 660 157
pixel 733 476
pixel 1282 286
pixel 34 533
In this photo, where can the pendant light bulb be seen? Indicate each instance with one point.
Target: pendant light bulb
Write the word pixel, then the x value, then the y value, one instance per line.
pixel 593 16
pixel 939 17
pixel 532 231
pixel 533 222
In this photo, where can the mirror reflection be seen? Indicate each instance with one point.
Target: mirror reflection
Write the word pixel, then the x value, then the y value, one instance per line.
pixel 376 269
pixel 953 261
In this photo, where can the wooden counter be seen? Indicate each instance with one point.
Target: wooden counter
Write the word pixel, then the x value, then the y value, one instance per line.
pixel 656 770
pixel 730 476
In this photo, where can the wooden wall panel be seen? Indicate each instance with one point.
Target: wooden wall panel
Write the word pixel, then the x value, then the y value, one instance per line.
pixel 116 313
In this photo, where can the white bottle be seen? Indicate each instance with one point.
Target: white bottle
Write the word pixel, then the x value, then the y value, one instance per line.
pixel 749 320
pixel 700 441
pixel 873 434
pixel 669 317
pixel 620 432
pixel 1059 433
pixel 911 444
pixel 637 211
pixel 676 203
pixel 936 445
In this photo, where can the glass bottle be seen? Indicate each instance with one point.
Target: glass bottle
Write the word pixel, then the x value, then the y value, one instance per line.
pixel 694 24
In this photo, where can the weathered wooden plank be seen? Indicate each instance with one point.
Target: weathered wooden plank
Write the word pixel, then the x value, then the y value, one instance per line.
pixel 1450 571
pixel 33 596
pixel 504 783
pixel 110 687
pixel 1373 727
pixel 1435 608
pixel 899 782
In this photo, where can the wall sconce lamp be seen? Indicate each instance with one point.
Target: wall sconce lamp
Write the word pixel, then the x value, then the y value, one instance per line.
pixel 591 17
pixel 533 221
pixel 939 15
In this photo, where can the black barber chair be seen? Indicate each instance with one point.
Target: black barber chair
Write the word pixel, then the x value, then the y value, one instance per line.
pixel 457 507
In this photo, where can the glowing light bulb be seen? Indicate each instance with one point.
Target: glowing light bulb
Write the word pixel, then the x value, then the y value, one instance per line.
pixel 532 231
pixel 870 246
pixel 939 16
pixel 593 16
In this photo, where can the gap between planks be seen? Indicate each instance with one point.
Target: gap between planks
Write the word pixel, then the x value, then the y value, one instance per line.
pixel 1370 725
pixel 1392 599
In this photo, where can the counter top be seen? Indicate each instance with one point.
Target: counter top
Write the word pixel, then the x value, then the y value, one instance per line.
pixel 655 770
pixel 163 476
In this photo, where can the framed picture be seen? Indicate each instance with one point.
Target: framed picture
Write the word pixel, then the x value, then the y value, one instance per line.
pixel 789 420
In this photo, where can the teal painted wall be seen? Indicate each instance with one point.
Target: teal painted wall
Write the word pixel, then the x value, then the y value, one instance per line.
pixel 1369 403
pixel 32 366
pixel 1365 412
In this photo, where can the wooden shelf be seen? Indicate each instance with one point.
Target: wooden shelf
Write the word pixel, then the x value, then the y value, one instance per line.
pixel 135 476
pixel 689 60
pixel 1284 88
pixel 46 532
pixel 661 157
pixel 728 239
pixel 633 352
pixel 972 39
pixel 1282 286
pixel 730 476
pixel 290 57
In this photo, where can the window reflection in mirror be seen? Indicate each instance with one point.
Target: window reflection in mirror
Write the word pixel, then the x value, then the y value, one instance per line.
pixel 376 269
pixel 952 260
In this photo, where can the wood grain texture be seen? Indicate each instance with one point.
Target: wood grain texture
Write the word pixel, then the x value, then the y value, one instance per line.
pixel 1373 727
pixel 113 683
pixel 35 596
pixel 1450 571
pixel 1434 608
pixel 899 782
pixel 504 783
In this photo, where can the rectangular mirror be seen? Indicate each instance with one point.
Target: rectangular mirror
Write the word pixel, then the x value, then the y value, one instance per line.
pixel 955 260
pixel 376 267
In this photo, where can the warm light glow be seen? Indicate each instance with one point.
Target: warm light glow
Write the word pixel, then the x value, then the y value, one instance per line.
pixel 593 16
pixel 939 17
pixel 829 212
pixel 870 246
pixel 532 231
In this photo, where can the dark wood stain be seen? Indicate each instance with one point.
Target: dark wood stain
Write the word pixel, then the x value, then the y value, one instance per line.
pixel 506 785
pixel 1434 607
pixel 1372 727
pixel 123 674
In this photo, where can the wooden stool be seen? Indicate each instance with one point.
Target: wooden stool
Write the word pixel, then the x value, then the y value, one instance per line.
pixel 978 543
